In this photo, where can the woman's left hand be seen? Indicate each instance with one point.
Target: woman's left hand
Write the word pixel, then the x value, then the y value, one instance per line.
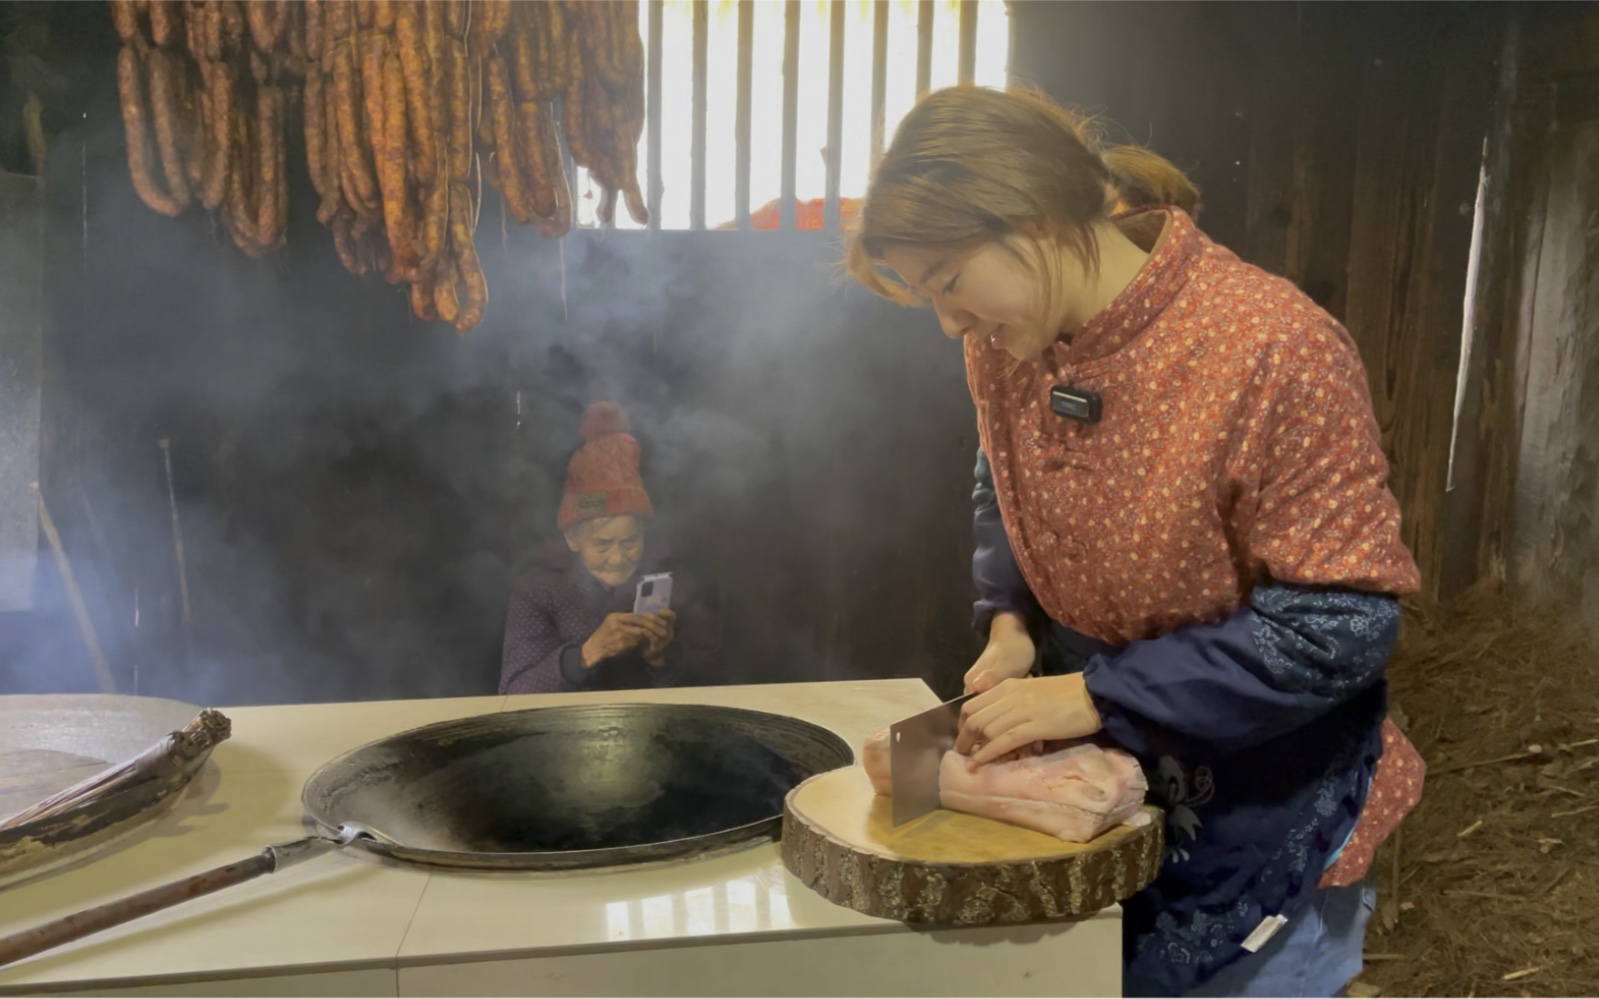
pixel 1019 712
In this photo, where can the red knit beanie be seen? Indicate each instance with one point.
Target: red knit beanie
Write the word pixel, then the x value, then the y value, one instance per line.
pixel 603 479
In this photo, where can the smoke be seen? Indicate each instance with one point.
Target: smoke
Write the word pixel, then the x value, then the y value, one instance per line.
pixel 357 491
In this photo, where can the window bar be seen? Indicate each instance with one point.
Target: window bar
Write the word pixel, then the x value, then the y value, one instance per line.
pixel 696 210
pixel 968 41
pixel 835 117
pixel 653 114
pixel 791 40
pixel 879 78
pixel 924 48
pixel 1012 79
pixel 741 125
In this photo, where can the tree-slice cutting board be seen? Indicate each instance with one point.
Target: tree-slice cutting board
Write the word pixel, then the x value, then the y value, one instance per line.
pixel 949 868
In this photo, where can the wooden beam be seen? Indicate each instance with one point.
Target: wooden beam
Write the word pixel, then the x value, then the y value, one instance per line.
pixel 741 124
pixel 835 116
pixel 791 32
pixel 879 78
pixel 968 41
pixel 696 211
pixel 653 114
pixel 924 47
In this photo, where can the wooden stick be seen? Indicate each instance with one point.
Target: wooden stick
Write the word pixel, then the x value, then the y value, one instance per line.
pixel 81 924
pixel 1527 754
pixel 177 536
pixel 80 610
pixel 1575 811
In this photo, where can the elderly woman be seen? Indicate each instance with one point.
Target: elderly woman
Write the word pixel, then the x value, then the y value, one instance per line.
pixel 570 624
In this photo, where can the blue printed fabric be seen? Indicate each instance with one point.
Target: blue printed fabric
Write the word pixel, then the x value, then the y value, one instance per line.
pixel 1259 734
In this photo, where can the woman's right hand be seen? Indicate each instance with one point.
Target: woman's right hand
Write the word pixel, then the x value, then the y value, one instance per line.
pixel 1009 655
pixel 617 634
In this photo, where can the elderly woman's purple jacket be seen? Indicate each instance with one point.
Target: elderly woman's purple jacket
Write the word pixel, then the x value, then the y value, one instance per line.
pixel 556 606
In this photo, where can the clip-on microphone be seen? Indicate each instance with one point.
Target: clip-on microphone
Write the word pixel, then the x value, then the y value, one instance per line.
pixel 1075 403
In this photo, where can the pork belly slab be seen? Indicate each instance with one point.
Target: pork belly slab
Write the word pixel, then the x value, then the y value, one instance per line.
pixel 1075 790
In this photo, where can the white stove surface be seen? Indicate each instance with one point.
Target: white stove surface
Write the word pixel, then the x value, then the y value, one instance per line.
pixel 734 922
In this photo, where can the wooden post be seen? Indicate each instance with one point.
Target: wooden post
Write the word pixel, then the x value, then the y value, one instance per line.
pixel 696 211
pixel 879 78
pixel 924 47
pixel 791 31
pixel 835 115
pixel 653 113
pixel 968 41
pixel 741 125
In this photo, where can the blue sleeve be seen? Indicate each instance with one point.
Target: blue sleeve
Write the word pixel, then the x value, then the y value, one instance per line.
pixel 1000 583
pixel 1287 657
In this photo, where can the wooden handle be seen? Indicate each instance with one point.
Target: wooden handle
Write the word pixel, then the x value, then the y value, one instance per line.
pixel 81 924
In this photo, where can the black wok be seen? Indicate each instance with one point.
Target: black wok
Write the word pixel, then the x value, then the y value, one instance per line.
pixel 580 786
pixel 540 789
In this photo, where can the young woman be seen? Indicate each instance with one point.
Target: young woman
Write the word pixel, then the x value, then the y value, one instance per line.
pixel 1180 489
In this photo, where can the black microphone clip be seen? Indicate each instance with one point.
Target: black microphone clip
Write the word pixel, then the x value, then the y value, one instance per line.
pixel 1076 404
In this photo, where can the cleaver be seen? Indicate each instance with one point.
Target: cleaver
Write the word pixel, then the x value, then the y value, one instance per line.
pixel 916 746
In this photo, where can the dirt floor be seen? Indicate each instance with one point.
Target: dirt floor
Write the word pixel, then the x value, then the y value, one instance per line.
pixel 1492 887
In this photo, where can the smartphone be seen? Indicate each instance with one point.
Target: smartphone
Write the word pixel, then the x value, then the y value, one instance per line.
pixel 654 594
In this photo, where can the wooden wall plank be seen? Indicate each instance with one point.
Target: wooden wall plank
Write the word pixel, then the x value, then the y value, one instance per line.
pixel 1417 164
pixel 1486 426
pixel 1556 537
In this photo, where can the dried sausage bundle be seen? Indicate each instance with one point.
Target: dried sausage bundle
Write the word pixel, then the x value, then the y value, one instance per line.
pixel 589 57
pixel 205 88
pixel 406 105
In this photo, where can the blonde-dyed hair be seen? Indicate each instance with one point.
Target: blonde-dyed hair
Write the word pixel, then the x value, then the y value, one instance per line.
pixel 971 165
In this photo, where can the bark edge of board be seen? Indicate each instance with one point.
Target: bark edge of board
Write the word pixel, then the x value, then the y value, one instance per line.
pixel 1046 879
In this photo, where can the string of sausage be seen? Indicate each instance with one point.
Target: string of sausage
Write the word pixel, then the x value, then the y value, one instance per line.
pixel 407 106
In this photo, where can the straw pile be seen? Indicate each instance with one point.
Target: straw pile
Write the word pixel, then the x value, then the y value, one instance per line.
pixel 1492 888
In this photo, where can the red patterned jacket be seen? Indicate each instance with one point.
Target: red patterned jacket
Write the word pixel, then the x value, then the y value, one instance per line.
pixel 1216 543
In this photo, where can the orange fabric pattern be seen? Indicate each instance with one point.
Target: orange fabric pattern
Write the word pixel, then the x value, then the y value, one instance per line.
pixel 1395 790
pixel 1237 444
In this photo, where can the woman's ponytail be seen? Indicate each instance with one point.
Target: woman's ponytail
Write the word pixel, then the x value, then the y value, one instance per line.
pixel 1143 178
pixel 970 165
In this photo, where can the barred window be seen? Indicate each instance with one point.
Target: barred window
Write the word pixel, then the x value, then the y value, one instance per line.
pixel 858 65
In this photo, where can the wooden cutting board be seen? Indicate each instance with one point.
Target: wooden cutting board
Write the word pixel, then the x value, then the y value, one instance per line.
pixel 950 868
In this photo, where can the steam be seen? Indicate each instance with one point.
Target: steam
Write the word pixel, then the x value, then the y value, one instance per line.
pixel 358 491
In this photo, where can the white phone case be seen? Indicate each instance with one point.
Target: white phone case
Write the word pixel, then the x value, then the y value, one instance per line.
pixel 654 594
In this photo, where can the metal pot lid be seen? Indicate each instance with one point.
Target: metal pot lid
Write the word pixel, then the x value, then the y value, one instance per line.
pixel 574 786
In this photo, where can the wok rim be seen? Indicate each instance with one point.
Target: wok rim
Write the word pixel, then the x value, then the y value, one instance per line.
pixel 748 833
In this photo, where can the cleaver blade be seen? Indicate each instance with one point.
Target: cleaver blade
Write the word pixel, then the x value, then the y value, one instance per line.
pixel 916 747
